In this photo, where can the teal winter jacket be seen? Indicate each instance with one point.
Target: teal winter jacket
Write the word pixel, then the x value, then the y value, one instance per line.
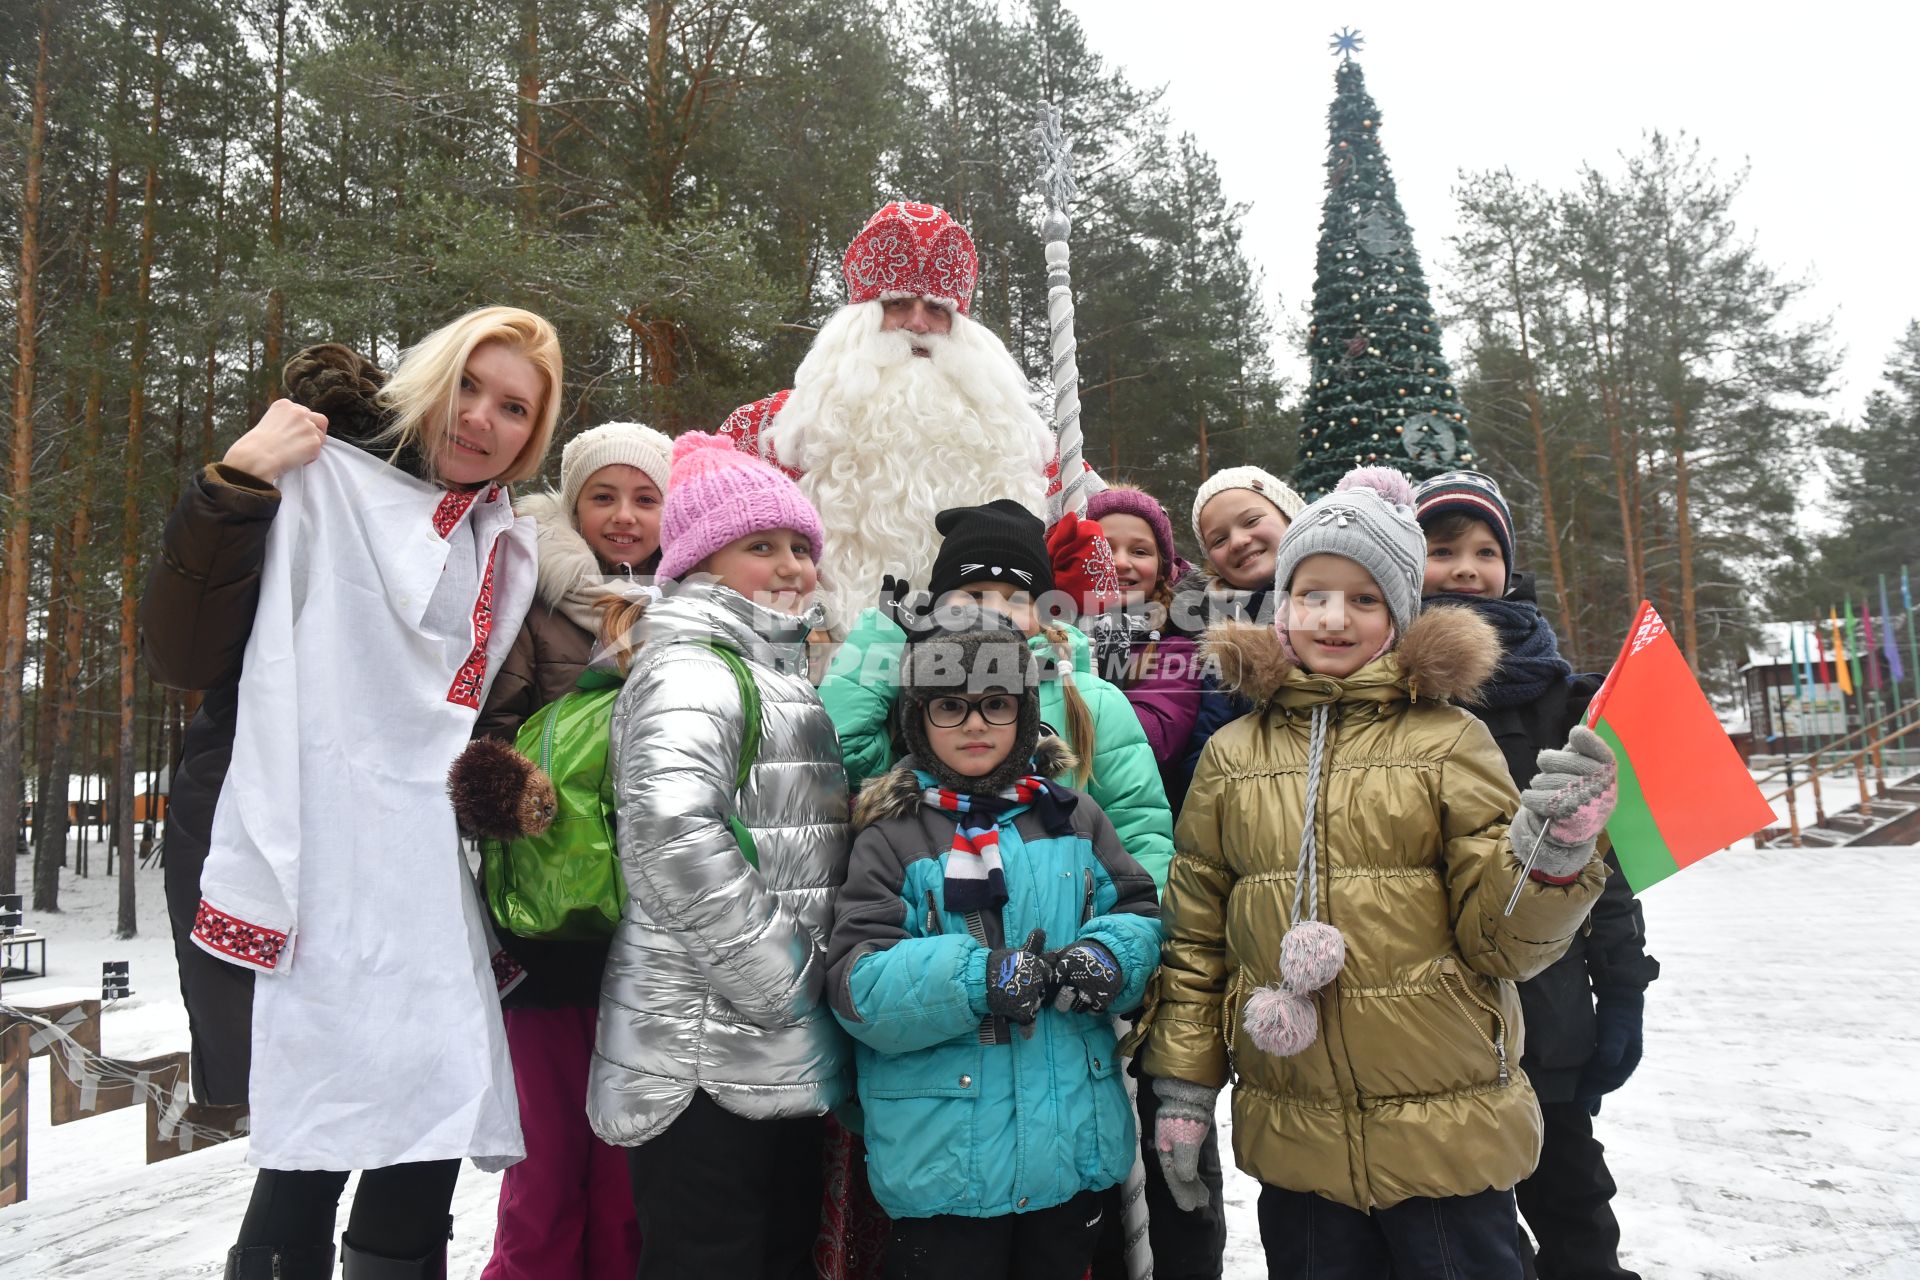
pixel 862 686
pixel 964 1114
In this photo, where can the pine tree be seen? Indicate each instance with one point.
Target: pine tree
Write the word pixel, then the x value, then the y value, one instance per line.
pixel 1381 390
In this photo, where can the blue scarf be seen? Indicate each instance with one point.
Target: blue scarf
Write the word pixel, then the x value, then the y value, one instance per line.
pixel 1530 661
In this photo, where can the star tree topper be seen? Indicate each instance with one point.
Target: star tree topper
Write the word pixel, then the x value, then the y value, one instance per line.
pixel 1346 43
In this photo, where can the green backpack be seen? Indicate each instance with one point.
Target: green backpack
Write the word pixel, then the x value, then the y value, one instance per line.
pixel 565 884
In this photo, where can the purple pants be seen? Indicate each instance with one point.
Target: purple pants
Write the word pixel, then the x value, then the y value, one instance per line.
pixel 566 1211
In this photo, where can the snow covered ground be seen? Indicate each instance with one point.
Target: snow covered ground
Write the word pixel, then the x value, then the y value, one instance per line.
pixel 1773 1132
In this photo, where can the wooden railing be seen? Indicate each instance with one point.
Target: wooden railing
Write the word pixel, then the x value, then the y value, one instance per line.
pixel 1838 762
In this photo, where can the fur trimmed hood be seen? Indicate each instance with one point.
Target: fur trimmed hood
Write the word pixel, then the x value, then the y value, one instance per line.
pixel 1447 655
pixel 570 579
pixel 896 793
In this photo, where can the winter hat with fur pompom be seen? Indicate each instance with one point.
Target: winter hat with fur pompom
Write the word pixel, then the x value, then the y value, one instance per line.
pixel 1368 519
pixel 718 494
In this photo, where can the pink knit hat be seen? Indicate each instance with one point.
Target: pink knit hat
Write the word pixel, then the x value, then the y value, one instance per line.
pixel 718 494
pixel 1125 500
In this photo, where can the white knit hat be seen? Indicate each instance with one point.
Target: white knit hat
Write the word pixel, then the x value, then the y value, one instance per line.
pixel 1264 483
pixel 607 444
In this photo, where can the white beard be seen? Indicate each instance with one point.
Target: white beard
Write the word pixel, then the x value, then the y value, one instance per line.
pixel 886 439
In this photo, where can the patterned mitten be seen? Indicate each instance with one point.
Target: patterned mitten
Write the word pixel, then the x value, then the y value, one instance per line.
pixel 1019 980
pixel 1179 1131
pixel 1089 978
pixel 1572 796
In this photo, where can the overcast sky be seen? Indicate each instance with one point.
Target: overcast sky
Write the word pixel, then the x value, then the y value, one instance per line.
pixel 1819 99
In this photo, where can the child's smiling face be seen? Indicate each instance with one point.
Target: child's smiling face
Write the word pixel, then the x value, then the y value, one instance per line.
pixel 1240 531
pixel 1464 557
pixel 772 567
pixel 1136 556
pixel 1337 617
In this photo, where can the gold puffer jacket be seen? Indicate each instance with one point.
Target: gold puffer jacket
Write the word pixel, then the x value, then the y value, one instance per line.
pixel 1413 1087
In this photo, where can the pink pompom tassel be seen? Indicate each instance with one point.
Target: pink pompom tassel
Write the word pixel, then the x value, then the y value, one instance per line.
pixel 1280 1023
pixel 1311 955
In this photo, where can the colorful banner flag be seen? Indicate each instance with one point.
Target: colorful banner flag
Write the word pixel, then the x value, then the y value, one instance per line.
pixel 1684 791
pixel 1820 653
pixel 1892 646
pixel 1840 651
pixel 1794 659
pixel 1866 646
pixel 1853 646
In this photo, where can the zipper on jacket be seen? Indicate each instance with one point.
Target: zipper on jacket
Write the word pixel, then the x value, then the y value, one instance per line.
pixel 1086 899
pixel 1499 1042
pixel 933 916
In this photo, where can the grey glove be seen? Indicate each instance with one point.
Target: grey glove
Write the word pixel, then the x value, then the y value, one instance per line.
pixel 1179 1131
pixel 1572 797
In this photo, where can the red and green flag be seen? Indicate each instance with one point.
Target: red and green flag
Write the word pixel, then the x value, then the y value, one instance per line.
pixel 1684 791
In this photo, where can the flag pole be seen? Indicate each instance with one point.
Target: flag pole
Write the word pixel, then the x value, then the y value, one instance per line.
pixel 1526 869
pixel 1913 638
pixel 1056 181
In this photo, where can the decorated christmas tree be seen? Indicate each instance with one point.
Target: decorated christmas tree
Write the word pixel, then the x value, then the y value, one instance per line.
pixel 1381 390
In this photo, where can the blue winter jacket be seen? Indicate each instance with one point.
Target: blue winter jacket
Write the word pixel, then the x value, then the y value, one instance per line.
pixel 964 1115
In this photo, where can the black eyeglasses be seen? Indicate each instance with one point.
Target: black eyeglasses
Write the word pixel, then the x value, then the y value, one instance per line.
pixel 952 712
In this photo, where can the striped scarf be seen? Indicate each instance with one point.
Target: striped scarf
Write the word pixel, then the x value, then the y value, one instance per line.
pixel 975 881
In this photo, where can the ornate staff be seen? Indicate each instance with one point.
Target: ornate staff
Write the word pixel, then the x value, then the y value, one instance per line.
pixel 1077 484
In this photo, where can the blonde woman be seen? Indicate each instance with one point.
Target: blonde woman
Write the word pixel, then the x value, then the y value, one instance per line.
pixel 344 585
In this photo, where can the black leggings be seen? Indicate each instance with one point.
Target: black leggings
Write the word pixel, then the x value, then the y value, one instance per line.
pixel 398 1212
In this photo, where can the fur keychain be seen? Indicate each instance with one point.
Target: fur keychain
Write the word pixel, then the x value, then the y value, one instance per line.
pixel 499 794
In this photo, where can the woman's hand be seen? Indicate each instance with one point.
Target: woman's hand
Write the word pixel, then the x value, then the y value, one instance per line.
pixel 287 436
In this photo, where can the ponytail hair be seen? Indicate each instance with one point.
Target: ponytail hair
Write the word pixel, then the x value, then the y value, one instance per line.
pixel 619 616
pixel 1080 732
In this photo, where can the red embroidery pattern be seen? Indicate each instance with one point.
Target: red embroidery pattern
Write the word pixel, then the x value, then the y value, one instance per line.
pixel 912 249
pixel 452 507
pixel 248 943
pixel 473 672
pixel 747 426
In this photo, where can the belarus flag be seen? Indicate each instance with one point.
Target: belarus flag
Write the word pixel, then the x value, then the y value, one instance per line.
pixel 1684 791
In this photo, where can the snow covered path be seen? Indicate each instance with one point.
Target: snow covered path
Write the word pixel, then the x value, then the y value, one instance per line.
pixel 1773 1132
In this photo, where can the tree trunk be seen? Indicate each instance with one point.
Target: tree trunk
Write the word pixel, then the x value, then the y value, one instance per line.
pixel 1200 425
pixel 213 329
pixel 128 924
pixel 1683 535
pixel 1537 420
pixel 1622 454
pixel 13 616
pixel 660 171
pixel 48 816
pixel 527 145
pixel 276 300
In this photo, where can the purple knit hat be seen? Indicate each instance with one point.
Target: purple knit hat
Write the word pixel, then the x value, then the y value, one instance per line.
pixel 718 494
pixel 1138 502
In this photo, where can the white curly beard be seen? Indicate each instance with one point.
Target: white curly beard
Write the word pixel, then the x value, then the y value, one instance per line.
pixel 886 439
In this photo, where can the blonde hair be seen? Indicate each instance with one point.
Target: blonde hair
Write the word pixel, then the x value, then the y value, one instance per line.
pixel 424 391
pixel 619 618
pixel 1080 734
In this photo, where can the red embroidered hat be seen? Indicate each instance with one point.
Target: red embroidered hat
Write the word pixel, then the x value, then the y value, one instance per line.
pixel 912 250
pixel 747 427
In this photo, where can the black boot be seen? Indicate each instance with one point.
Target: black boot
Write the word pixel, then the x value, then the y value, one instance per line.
pixel 358 1264
pixel 280 1262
